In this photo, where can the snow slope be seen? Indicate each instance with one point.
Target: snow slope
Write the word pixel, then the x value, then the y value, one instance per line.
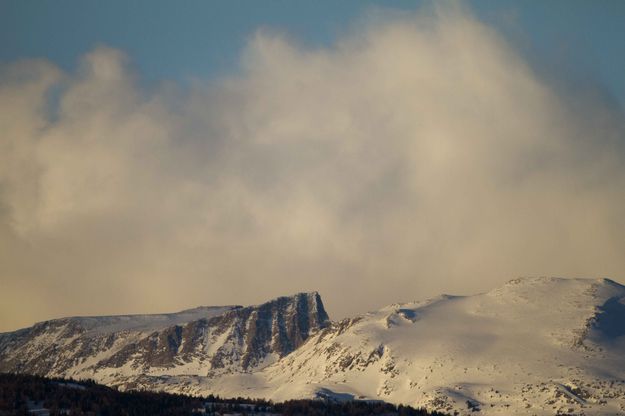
pixel 538 346
pixel 535 346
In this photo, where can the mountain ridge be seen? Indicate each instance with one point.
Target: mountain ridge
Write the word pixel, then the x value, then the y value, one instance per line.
pixel 538 346
pixel 158 314
pixel 222 337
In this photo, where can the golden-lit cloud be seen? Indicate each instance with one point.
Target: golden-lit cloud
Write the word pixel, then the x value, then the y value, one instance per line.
pixel 419 154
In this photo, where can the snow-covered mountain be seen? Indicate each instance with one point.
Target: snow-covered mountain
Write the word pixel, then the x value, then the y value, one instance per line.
pixel 206 341
pixel 536 346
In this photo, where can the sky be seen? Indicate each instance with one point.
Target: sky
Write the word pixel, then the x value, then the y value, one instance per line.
pixel 156 157
pixel 205 38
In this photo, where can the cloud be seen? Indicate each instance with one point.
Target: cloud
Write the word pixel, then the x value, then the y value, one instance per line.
pixel 419 154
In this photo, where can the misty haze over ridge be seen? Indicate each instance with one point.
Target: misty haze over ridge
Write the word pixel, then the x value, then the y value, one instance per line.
pixel 421 154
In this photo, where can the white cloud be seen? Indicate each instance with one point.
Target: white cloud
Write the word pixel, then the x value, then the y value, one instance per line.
pixel 419 154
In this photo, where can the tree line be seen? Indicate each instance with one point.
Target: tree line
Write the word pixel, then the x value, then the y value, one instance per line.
pixel 19 392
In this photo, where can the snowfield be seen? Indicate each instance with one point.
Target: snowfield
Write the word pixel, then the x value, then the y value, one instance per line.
pixel 535 346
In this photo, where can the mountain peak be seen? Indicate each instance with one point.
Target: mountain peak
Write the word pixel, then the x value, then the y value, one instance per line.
pixel 306 303
pixel 311 295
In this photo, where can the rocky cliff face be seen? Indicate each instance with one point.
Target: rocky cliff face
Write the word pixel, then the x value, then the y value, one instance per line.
pixel 206 341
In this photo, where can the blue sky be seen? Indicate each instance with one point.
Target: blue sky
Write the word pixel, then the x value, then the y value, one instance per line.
pixel 582 40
